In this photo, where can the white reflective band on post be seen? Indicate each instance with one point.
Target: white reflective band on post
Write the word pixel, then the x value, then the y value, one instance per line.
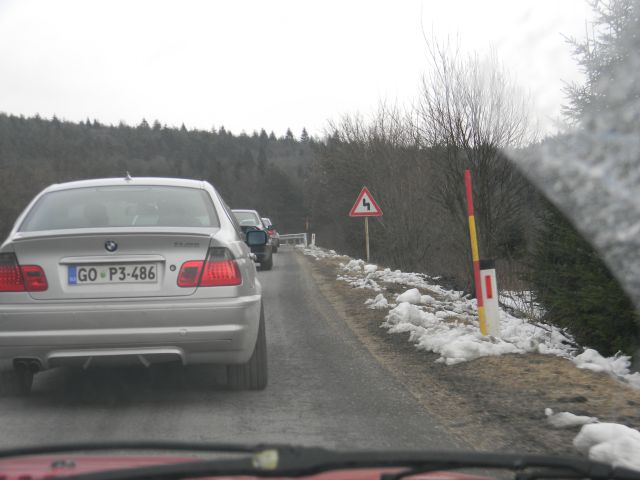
pixel 490 296
pixel 313 239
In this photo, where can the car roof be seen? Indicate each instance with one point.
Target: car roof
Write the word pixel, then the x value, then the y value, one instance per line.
pixel 107 182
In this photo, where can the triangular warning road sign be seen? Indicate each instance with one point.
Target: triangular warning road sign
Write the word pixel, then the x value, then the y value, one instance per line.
pixel 365 205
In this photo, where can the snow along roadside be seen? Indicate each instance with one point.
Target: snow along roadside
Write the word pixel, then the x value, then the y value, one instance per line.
pixel 612 443
pixel 445 321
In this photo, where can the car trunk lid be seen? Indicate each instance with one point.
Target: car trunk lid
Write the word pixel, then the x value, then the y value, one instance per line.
pixel 126 263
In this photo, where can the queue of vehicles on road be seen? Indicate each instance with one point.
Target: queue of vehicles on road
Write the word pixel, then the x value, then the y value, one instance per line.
pixel 134 271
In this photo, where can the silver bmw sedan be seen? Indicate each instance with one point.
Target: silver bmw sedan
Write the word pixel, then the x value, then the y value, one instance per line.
pixel 130 271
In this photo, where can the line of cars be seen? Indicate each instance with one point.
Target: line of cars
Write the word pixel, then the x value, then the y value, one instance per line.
pixel 251 220
pixel 133 271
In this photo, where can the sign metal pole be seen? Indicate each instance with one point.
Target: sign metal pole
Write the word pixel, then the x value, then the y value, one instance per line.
pixel 366 235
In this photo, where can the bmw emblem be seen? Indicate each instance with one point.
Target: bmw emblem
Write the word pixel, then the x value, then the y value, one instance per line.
pixel 110 246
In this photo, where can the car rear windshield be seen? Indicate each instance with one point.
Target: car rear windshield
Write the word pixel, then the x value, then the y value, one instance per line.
pixel 119 206
pixel 248 219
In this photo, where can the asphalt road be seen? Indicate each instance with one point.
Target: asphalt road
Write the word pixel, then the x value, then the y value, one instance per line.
pixel 324 389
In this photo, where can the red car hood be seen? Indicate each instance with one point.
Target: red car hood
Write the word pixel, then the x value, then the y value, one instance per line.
pixel 43 467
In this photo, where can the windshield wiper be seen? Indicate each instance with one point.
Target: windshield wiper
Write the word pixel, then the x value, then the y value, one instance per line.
pixel 263 460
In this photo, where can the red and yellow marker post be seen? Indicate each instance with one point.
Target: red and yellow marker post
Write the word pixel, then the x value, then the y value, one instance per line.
pixel 474 252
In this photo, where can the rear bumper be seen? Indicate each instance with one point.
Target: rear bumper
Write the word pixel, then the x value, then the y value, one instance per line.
pixel 262 253
pixel 190 331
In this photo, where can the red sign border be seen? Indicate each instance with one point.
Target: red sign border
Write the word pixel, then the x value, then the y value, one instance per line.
pixel 366 191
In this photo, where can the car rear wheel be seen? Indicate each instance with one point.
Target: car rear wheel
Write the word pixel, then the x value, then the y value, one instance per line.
pixel 16 382
pixel 253 374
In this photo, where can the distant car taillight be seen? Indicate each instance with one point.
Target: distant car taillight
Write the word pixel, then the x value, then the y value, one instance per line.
pixel 218 270
pixel 271 232
pixel 20 278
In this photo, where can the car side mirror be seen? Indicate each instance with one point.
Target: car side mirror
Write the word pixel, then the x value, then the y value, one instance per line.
pixel 257 238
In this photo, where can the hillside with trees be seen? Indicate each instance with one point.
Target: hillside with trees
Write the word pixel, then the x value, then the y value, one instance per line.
pixel 251 171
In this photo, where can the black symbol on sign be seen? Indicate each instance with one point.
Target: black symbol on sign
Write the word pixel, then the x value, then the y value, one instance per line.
pixel 366 204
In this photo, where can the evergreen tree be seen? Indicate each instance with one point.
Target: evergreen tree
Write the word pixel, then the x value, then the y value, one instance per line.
pixel 263 135
pixel 569 278
pixel 577 290
pixel 262 161
pixel 604 56
pixel 304 136
pixel 289 135
pixel 144 125
pixel 272 136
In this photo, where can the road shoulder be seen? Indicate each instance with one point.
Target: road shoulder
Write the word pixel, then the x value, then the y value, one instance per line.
pixel 493 403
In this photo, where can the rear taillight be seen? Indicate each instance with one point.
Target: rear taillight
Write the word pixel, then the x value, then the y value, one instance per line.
pixel 20 278
pixel 34 278
pixel 190 273
pixel 271 232
pixel 10 274
pixel 218 270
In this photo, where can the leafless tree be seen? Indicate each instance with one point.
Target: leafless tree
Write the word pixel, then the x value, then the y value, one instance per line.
pixel 472 112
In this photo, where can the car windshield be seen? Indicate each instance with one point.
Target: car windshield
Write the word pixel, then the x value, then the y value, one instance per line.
pixel 391 225
pixel 130 206
pixel 248 219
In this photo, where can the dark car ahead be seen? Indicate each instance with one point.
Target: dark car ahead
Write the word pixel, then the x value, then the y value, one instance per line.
pixel 251 220
pixel 273 233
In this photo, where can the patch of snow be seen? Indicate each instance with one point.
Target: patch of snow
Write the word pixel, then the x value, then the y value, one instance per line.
pixel 567 419
pixel 456 336
pixel 611 443
pixel 359 282
pixel 378 303
pixel 618 366
pixel 353 266
pixel 591 360
pixel 427 299
pixel 410 296
pixel 317 252
pixel 370 268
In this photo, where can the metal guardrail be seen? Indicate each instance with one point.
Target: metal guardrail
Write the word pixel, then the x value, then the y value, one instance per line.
pixel 294 239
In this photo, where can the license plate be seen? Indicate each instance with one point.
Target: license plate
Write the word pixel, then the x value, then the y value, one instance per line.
pixel 130 273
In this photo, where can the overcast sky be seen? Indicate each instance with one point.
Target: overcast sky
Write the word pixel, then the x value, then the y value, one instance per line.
pixel 253 64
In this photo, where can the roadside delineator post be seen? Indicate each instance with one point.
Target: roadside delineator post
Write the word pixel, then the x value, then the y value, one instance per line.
pixel 474 252
pixel 313 239
pixel 490 297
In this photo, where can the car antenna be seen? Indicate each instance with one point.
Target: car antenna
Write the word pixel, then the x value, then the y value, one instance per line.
pixel 128 177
